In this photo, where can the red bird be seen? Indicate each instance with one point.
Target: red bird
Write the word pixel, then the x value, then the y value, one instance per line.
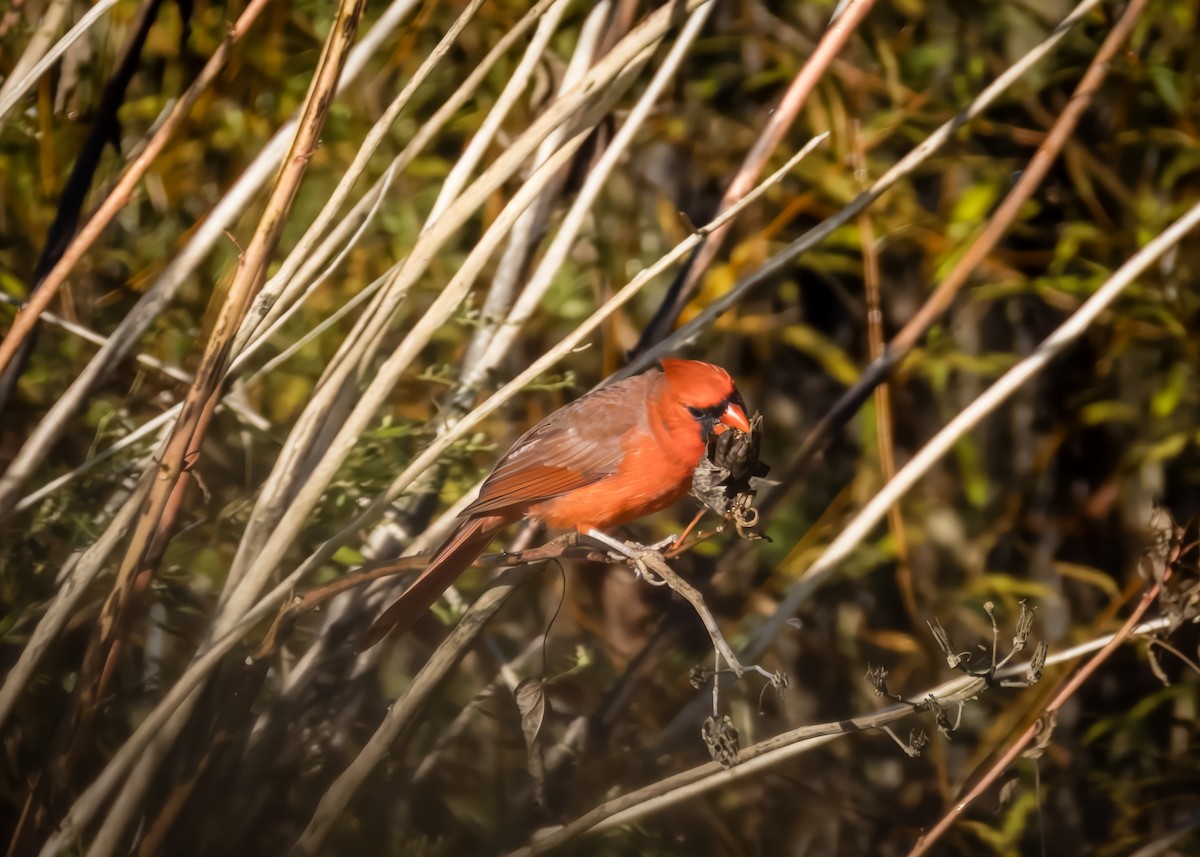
pixel 610 457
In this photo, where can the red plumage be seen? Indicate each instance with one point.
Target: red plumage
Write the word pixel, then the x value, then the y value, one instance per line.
pixel 610 457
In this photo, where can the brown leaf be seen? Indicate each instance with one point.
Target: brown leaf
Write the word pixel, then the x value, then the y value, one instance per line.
pixel 530 695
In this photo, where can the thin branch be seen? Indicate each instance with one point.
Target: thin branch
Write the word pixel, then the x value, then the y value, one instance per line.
pixel 781 262
pixel 120 196
pixel 154 523
pixel 884 438
pixel 19 82
pixel 153 363
pixel 1066 334
pixel 780 120
pixel 1068 689
pixel 61 416
pixel 752 761
pixel 356 221
pixel 514 86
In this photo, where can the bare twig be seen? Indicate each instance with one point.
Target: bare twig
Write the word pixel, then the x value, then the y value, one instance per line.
pixel 781 119
pixel 513 262
pixel 59 418
pixel 22 78
pixel 152 363
pixel 753 760
pixel 24 323
pixel 153 525
pixel 884 439
pixel 1068 689
pixel 404 709
pixel 780 262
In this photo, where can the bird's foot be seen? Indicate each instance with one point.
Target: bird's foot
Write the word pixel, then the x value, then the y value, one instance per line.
pixel 643 557
pixel 642 571
pixel 641 567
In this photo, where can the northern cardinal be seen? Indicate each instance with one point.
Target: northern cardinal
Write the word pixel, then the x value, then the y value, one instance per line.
pixel 610 457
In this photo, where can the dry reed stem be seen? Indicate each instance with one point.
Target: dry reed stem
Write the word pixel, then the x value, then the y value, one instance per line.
pixel 61 415
pixel 35 61
pixel 781 261
pixel 685 785
pixel 780 120
pixel 152 528
pixel 876 509
pixel 884 438
pixel 120 195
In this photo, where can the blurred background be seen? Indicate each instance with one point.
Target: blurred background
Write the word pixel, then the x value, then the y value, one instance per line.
pixel 1046 501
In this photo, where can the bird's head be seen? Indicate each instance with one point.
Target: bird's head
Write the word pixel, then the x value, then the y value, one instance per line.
pixel 708 394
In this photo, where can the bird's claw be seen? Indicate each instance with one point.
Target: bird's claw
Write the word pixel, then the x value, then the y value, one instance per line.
pixel 643 572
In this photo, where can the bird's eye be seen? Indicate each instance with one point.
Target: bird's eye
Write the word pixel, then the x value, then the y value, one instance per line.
pixel 697 413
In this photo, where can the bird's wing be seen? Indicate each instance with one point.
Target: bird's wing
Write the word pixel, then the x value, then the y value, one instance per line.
pixel 577 445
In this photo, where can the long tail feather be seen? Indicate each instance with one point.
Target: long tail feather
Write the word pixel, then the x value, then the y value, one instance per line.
pixel 455 556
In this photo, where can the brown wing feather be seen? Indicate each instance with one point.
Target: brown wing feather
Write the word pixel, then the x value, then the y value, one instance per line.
pixel 577 445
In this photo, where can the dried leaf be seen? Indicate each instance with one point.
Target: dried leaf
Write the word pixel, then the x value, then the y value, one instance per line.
pixel 1045 731
pixel 530 695
pixel 721 739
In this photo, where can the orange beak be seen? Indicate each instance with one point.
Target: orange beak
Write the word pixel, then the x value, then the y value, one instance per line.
pixel 735 417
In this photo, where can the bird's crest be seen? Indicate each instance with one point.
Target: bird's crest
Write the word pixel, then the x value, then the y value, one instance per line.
pixel 697 383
